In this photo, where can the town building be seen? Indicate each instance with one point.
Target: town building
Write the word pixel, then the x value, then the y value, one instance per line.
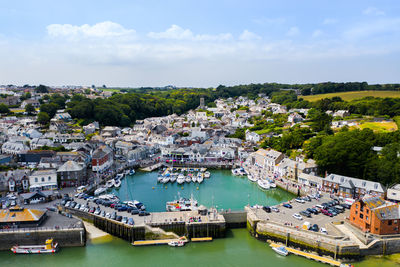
pixel 72 173
pixel 393 193
pixel 352 187
pixel 102 158
pixel 375 215
pixel 43 180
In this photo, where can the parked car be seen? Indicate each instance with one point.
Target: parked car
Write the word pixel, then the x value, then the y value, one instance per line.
pixel 113 216
pixel 103 214
pixel 311 210
pixel 287 205
pixel 327 213
pixel 134 211
pixel 108 215
pixel 118 218
pixel 275 209
pixel 267 209
pixel 97 211
pixel 300 200
pixel 144 213
pixel 323 231
pixel 345 205
pixel 314 228
pixel 124 220
pixel 77 206
pixel 305 213
pixel 297 216
pixel 319 206
pixel 307 198
pixel 130 221
pixel 122 208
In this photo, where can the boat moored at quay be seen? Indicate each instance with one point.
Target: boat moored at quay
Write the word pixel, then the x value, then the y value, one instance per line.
pixel 48 247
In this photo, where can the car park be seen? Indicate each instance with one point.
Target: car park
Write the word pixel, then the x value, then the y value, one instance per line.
pixel 297 216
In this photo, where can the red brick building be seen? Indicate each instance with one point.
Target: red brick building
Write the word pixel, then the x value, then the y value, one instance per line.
pixel 375 215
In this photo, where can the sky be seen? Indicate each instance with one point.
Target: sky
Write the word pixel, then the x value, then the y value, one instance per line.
pixel 198 43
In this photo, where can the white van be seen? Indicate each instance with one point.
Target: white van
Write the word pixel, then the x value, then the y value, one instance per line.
pixel 81 189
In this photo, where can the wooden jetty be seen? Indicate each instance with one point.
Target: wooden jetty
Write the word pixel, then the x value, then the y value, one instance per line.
pixel 309 255
pixel 157 242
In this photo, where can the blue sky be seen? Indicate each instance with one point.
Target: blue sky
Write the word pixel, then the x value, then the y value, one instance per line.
pixel 198 43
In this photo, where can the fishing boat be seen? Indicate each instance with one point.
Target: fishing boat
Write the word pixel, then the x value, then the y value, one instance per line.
pixel 165 179
pixel 272 185
pixel 172 178
pixel 110 183
pixel 252 178
pixel 182 204
pixel 207 174
pixel 176 243
pixel 100 190
pixel 264 184
pixel 117 183
pixel 132 172
pixel 48 247
pixel 281 250
pixel 188 179
pixel 160 178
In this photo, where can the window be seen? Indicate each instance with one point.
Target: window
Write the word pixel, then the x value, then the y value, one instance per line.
pixel 356 206
pixel 356 212
pixel 390 222
pixel 366 218
pixel 361 216
pixel 367 211
pixel 49 178
pixel 36 180
pixel 42 179
pixel 354 218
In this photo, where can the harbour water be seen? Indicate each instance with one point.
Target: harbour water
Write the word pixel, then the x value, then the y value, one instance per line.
pixel 237 249
pixel 222 190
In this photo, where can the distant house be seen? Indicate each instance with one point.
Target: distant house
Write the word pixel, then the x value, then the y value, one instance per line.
pixel 376 216
pixel 43 180
pixel 295 118
pixel 393 193
pixel 33 102
pixel 252 137
pixel 18 180
pixel 14 148
pixel 341 113
pixel 122 148
pixel 102 158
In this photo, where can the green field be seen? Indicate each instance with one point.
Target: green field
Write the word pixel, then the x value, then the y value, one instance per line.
pixel 110 89
pixel 378 126
pixel 348 96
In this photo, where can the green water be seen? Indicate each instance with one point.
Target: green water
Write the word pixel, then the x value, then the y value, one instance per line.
pixel 237 249
pixel 222 190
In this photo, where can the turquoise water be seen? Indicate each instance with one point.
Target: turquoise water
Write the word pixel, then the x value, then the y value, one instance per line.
pixel 222 190
pixel 237 249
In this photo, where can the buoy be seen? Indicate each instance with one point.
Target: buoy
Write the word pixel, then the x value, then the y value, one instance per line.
pixel 166 187
pixel 153 187
pixel 197 188
pixel 182 187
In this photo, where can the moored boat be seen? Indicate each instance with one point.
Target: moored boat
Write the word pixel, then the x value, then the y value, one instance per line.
pixel 132 172
pixel 252 178
pixel 100 190
pixel 182 204
pixel 207 174
pixel 176 243
pixel 48 247
pixel 117 183
pixel 281 250
pixel 264 184
pixel 110 183
pixel 188 179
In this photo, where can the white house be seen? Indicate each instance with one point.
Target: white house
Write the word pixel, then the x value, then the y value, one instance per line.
pixel 252 137
pixel 43 180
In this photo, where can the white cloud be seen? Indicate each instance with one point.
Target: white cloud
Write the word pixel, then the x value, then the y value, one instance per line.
pixel 317 33
pixel 176 32
pixel 249 36
pixel 372 28
pixel 98 30
pixel 329 21
pixel 293 31
pixel 373 11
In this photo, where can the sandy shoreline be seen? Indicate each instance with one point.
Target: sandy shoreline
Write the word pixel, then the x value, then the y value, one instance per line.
pixel 94 232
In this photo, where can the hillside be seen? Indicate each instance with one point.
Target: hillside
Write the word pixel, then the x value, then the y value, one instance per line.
pixel 348 96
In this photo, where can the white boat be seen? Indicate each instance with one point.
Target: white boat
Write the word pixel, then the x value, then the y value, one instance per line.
pixel 100 190
pixel 180 179
pixel 119 176
pixel 207 174
pixel 235 172
pixel 132 172
pixel 264 184
pixel 139 205
pixel 200 179
pixel 272 185
pixel 160 178
pixel 172 178
pixel 48 247
pixel 281 250
pixel 110 183
pixel 252 178
pixel 117 183
pixel 194 179
pixel 176 243
pixel 188 179
pixel 165 180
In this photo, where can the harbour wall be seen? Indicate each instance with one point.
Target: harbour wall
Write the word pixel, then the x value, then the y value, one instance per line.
pixel 215 229
pixel 332 246
pixel 74 237
pixel 235 219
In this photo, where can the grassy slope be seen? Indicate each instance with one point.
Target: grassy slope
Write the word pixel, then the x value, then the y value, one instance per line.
pixel 347 96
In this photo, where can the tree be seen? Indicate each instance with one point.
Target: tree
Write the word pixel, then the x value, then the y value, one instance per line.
pixel 43 118
pixel 29 108
pixel 320 120
pixel 4 108
pixel 42 89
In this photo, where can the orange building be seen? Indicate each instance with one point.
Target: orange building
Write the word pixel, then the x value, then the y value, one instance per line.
pixel 375 215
